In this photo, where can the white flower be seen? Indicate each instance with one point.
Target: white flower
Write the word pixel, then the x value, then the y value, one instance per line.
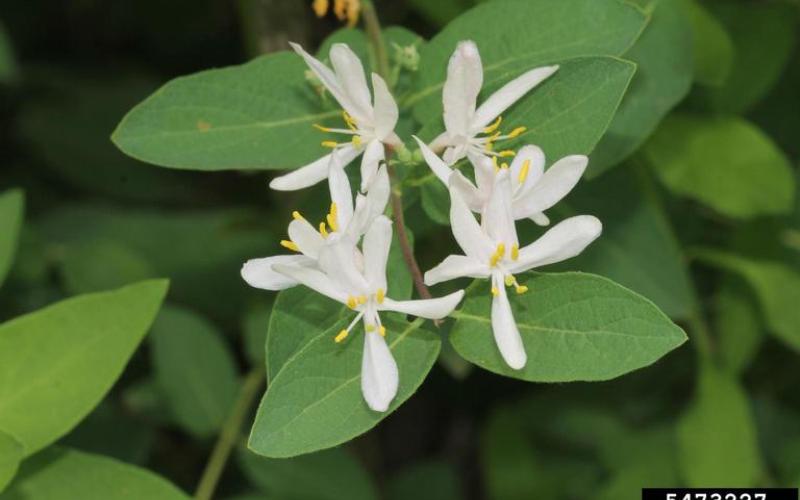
pixel 345 220
pixel 492 251
pixel 463 122
pixel 370 125
pixel 533 190
pixel 358 280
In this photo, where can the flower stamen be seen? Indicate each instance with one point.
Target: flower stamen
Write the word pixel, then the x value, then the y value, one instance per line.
pixel 331 218
pixel 497 255
pixel 323 230
pixel 523 172
pixel 291 245
pixel 514 251
pixel 494 126
pixel 380 295
pixel 330 144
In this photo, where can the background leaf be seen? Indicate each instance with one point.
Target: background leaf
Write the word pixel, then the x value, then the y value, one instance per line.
pixel 432 480
pixel 194 369
pixel 574 326
pixel 723 162
pixel 738 326
pixel 11 453
pixel 83 343
pixel 713 48
pixel 11 208
pixel 64 474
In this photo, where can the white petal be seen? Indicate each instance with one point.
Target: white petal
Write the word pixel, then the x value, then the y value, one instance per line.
pixel 385 109
pixel 454 153
pixel 535 158
pixel 508 94
pixel 566 239
pixel 314 172
pixel 456 266
pixel 337 259
pixel 498 220
pixel 306 237
pixel 313 279
pixel 439 167
pixel 554 185
pixel 469 193
pixel 376 246
pixel 326 76
pixel 373 155
pixel 353 81
pixel 427 308
pixel 440 142
pixel 460 92
pixel 466 230
pixel 258 273
pixel 505 331
pixel 379 376
pixel 540 219
pixel 370 205
pixel 484 173
pixel 339 187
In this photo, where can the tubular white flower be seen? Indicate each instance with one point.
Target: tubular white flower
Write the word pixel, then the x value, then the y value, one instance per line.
pixel 370 125
pixel 463 122
pixel 492 251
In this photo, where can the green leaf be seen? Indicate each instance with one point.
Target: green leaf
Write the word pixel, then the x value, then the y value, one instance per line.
pixel 435 200
pixel 258 115
pixel 763 35
pixel 663 77
pixel 85 265
pixel 575 28
pixel 11 207
pixel 713 47
pixel 254 328
pixel 313 399
pixel 64 474
pixel 718 424
pixel 638 248
pixel 9 72
pixel 326 475
pixel 738 326
pixel 426 480
pixel 194 369
pixel 723 162
pixel 574 326
pixel 777 288
pixel 84 344
pixel 11 453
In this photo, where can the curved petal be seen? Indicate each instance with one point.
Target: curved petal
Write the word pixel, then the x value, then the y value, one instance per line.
pixel 258 273
pixel 337 259
pixel 370 205
pixel 341 195
pixel 440 168
pixel 456 266
pixel 379 375
pixel 469 193
pixel 313 279
pixel 504 328
pixel 498 220
pixel 460 92
pixel 373 155
pixel 523 180
pixel 325 75
pixel 353 81
pixel 484 173
pixel 540 218
pixel 314 172
pixel 385 109
pixel 466 230
pixel 376 246
pixel 507 95
pixel 554 185
pixel 566 239
pixel 306 237
pixel 428 308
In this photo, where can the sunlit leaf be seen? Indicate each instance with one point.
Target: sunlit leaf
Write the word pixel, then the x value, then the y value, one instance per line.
pixel 57 363
pixel 11 453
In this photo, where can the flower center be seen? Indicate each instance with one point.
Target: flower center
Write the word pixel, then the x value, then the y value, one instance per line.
pixel 365 304
pixel 496 262
pixel 485 144
pixel 359 136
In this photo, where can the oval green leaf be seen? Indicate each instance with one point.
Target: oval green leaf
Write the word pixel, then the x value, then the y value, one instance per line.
pixel 11 207
pixel 83 343
pixel 575 327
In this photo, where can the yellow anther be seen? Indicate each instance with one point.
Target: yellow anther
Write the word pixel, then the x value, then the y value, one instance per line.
pixel 356 140
pixel 514 251
pixel 523 172
pixel 501 249
pixel 340 336
pixel 339 9
pixel 504 166
pixel 517 131
pixel 521 289
pixel 351 124
pixel 351 302
pixel 491 128
pixel 320 127
pixel 506 153
pixel 495 291
pixel 382 331
pixel 331 218
pixel 495 165
pixel 362 299
pixel 510 280
pixel 323 230
pixel 370 328
pixel 291 245
pixel 329 144
pixel 493 260
pixel 498 254
pixel 353 10
pixel 488 146
pixel 296 216
pixel 320 7
pixel 380 295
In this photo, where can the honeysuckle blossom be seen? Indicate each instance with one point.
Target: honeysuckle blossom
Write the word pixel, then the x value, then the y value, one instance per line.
pixel 492 251
pixel 358 280
pixel 370 125
pixel 344 220
pixel 533 190
pixel 464 121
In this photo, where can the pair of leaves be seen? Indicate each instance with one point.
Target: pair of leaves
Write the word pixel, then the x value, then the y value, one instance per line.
pixel 574 327
pixel 82 343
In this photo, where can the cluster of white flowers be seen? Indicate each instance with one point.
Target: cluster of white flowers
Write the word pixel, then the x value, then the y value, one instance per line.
pixel 345 257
